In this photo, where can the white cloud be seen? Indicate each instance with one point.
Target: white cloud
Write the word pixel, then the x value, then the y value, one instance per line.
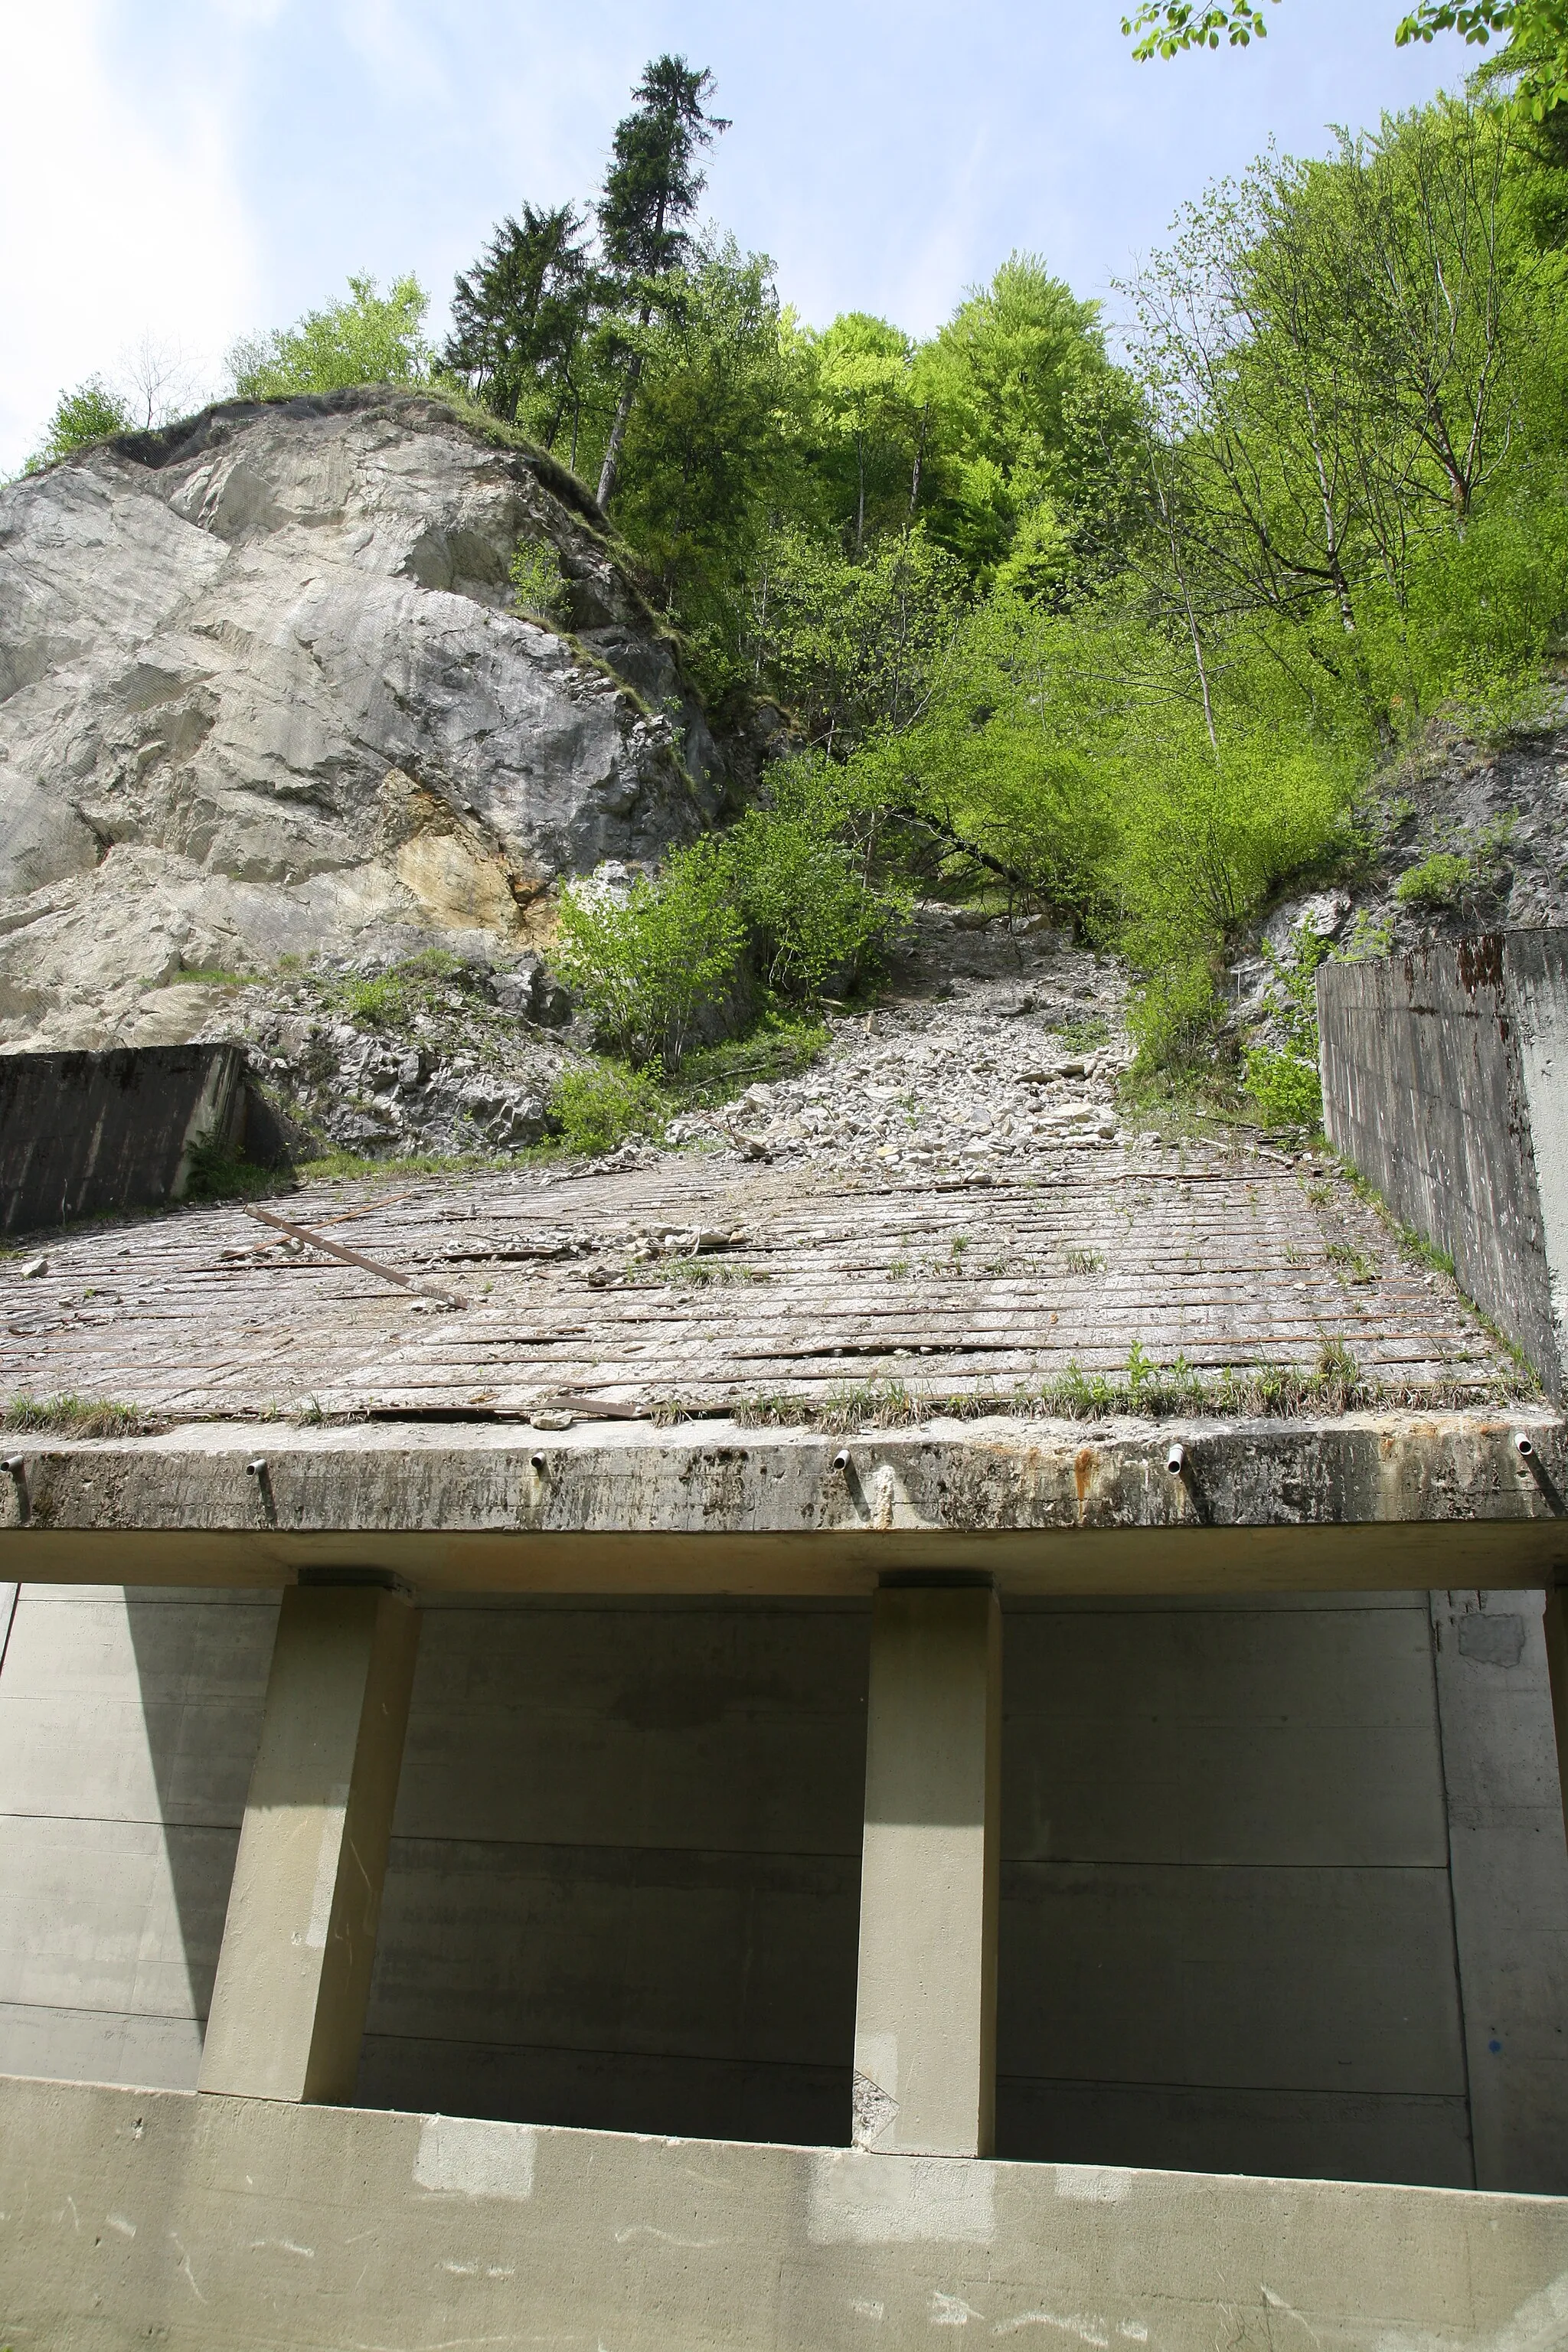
pixel 116 227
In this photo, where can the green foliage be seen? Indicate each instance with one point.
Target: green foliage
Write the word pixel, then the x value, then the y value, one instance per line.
pixel 596 1107
pixel 1537 31
pixel 1440 880
pixel 371 338
pixel 1285 1087
pixel 807 882
pixel 219 1173
pixel 393 998
pixel 648 965
pixel 538 585
pixel 91 413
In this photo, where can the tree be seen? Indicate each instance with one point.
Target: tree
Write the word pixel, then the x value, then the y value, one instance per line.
pixel 650 194
pixel 1005 384
pixel 518 318
pixel 372 338
pixel 1537 32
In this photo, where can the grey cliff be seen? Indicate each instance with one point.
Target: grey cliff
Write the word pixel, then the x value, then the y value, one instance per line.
pixel 264 692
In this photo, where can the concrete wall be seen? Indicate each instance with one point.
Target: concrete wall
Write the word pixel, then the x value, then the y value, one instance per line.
pixel 131 2217
pixel 81 1133
pixel 1445 1084
pixel 624 1881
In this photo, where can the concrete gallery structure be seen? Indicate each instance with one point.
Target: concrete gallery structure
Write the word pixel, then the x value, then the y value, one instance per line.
pixel 590 1816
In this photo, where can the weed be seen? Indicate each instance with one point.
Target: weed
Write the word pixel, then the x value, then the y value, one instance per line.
pixel 1083 1035
pixel 899 1269
pixel 338 1166
pixel 75 1416
pixel 203 976
pixel 1354 1263
pixel 702 1273
pixel 1085 1261
pixel 1440 880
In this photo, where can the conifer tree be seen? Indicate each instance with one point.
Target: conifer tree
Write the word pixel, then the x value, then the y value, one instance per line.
pixel 519 317
pixel 650 194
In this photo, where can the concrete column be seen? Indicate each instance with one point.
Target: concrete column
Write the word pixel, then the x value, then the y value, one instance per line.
pixel 925 2024
pixel 1556 1627
pixel 294 1974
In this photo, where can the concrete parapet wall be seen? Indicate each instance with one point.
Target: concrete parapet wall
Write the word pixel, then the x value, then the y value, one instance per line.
pixel 130 2216
pixel 84 1133
pixel 1446 1084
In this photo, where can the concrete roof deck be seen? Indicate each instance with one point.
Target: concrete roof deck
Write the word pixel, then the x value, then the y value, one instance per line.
pixel 827 1288
pixel 615 1411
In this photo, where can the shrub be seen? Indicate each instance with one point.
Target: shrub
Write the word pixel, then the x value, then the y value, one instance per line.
pixel 1174 1019
pixel 649 964
pixel 597 1107
pixel 538 588
pixel 805 882
pixel 1285 1087
pixel 1438 881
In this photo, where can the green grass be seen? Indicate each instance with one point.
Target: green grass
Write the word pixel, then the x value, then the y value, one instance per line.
pixel 220 1173
pixel 335 1166
pixel 1144 1390
pixel 75 1416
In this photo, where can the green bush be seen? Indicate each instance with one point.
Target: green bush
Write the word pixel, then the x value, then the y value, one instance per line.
pixel 538 587
pixel 805 883
pixel 596 1107
pixel 1438 881
pixel 650 965
pixel 1174 1018
pixel 1285 1087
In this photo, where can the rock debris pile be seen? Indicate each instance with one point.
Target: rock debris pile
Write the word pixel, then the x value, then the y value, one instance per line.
pixel 443 1056
pixel 999 1043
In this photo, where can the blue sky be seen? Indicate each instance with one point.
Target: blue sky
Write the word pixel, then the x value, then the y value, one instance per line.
pixel 185 171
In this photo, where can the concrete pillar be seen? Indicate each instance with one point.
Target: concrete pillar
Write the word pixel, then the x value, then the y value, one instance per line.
pixel 925 2024
pixel 294 1974
pixel 1556 1627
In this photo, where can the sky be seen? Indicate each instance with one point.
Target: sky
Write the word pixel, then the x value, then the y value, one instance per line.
pixel 178 172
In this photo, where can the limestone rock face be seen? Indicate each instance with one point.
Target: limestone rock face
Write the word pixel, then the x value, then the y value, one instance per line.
pixel 263 691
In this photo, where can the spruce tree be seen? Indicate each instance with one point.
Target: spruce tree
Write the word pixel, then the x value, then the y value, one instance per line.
pixel 519 317
pixel 650 194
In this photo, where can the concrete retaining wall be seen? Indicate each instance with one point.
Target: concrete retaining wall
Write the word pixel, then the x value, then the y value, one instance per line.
pixel 84 1133
pixel 131 2217
pixel 622 1889
pixel 1445 1084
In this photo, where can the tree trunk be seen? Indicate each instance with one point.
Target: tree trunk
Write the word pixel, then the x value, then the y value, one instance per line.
pixel 612 465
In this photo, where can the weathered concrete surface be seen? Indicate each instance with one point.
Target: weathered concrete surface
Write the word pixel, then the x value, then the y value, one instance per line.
pixel 263 690
pixel 925 2007
pixel 82 1134
pixel 1509 1864
pixel 1370 1501
pixel 263 2225
pixel 826 1287
pixel 298 1942
pixel 1445 1083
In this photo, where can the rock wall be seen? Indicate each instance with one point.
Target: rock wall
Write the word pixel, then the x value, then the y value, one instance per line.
pixel 263 692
